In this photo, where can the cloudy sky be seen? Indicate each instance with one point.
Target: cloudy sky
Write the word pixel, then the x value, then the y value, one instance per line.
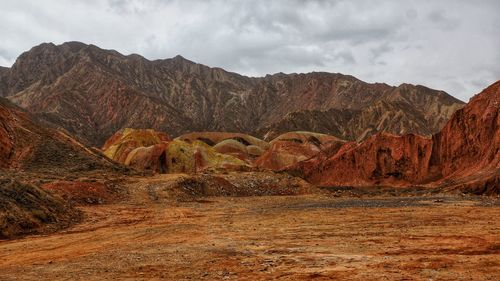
pixel 444 44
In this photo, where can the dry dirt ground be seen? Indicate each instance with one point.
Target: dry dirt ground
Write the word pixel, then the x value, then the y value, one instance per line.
pixel 150 236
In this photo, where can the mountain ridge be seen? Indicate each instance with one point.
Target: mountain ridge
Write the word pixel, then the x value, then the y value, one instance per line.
pixel 109 91
pixel 464 154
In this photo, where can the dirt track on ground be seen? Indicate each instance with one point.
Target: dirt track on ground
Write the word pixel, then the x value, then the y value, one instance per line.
pixel 267 238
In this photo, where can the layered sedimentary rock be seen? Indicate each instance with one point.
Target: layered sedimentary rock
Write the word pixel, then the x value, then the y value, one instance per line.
pixel 242 146
pixel 198 156
pixel 381 159
pixel 29 150
pixel 146 149
pixel 290 148
pixel 213 138
pixel 26 144
pixel 119 146
pixel 92 93
pixel 465 154
pixel 152 157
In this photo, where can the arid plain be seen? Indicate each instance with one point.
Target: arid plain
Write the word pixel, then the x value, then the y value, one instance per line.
pixel 157 228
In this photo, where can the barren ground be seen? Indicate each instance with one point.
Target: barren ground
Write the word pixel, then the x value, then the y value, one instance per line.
pixel 149 235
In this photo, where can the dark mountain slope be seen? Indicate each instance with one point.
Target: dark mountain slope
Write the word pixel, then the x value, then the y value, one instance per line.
pixel 93 92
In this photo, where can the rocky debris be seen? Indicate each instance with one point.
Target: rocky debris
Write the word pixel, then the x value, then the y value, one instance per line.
pixel 93 92
pixel 85 193
pixel 27 209
pixel 195 186
pixel 464 155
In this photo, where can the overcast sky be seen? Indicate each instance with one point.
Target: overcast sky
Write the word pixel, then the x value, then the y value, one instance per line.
pixel 451 45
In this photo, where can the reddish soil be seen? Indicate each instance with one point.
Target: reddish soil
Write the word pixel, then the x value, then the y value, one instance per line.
pixel 153 235
pixel 83 192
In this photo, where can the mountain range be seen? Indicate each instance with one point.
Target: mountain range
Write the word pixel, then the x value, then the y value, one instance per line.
pixel 92 93
pixel 464 155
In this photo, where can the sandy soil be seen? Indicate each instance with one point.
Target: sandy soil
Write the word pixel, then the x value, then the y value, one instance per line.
pixel 267 238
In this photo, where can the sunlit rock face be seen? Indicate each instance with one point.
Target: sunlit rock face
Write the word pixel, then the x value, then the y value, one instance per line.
pixel 464 155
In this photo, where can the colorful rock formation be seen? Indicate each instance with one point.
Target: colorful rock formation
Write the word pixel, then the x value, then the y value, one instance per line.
pixel 199 156
pixel 242 146
pixel 29 152
pixel 152 157
pixel 151 150
pixel 290 148
pixel 467 149
pixel 213 138
pixel 119 145
pixel 464 155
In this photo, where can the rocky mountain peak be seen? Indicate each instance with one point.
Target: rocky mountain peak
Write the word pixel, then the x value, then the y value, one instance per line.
pixel 92 93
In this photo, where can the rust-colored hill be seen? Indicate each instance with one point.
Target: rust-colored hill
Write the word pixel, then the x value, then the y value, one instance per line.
pixel 92 93
pixel 31 154
pixel 464 155
pixel 292 147
pixel 27 145
pixel 146 149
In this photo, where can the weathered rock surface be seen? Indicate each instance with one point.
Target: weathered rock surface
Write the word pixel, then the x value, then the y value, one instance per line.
pixel 27 150
pixel 242 146
pixel 290 148
pixel 26 209
pixel 92 93
pixel 213 138
pixel 464 155
pixel 26 144
pixel 146 149
pixel 119 146
pixel 467 150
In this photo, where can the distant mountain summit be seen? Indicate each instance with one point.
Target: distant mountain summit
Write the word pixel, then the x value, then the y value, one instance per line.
pixel 92 93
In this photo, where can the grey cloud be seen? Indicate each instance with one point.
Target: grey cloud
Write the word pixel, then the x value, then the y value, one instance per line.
pixel 346 57
pixel 380 50
pixel 5 54
pixel 411 14
pixel 440 18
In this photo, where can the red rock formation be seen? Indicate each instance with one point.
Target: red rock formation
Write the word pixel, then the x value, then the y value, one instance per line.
pixel 93 92
pixel 27 144
pixel 152 158
pixel 381 159
pixel 232 147
pixel 465 154
pixel 6 136
pixel 468 147
pixel 293 147
pixel 285 153
pixel 123 142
